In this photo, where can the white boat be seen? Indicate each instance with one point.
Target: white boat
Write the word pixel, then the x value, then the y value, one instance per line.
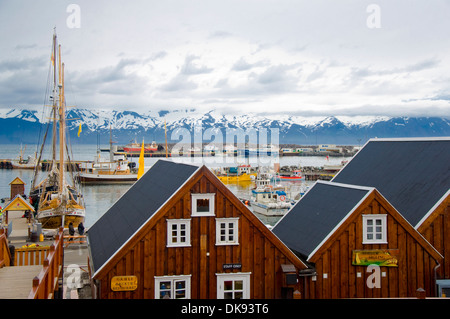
pixel 116 170
pixel 57 199
pixel 107 172
pixel 24 163
pixel 267 199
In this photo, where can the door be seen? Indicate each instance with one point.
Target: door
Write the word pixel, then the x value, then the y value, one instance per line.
pixel 233 286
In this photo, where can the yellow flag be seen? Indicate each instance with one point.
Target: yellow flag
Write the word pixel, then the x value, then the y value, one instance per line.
pixel 79 130
pixel 141 162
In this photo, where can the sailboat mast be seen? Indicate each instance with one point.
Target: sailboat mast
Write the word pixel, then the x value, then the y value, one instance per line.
pixel 55 101
pixel 61 125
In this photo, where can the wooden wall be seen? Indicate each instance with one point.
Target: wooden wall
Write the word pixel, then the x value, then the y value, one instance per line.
pixel 415 263
pixel 147 256
pixel 436 229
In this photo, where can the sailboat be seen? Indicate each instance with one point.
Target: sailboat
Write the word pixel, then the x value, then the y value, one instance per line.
pixel 57 198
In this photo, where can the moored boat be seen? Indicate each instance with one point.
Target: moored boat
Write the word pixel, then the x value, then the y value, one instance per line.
pixel 267 199
pixel 136 147
pixel 293 176
pixel 240 173
pixel 57 198
pixel 24 163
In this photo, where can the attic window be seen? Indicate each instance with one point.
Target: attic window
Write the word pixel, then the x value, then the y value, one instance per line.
pixel 202 205
pixel 374 229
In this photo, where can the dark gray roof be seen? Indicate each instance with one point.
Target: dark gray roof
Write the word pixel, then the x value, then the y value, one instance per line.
pixel 316 215
pixel 413 174
pixel 134 208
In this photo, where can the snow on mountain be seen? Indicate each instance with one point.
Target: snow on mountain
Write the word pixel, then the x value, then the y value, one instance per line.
pixel 129 125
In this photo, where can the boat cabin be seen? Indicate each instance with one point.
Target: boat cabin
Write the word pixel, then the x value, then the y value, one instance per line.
pixel 179 232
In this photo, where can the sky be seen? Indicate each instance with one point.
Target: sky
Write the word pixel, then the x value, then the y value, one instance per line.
pixel 304 58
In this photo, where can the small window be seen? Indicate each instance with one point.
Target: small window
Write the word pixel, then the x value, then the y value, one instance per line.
pixel 178 232
pixel 173 287
pixel 202 204
pixel 227 232
pixel 374 229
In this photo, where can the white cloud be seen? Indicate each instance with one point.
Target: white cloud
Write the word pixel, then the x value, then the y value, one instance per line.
pixel 261 56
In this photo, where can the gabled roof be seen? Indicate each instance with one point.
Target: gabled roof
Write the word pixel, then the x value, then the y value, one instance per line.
pixel 317 214
pixel 321 212
pixel 134 208
pixel 143 202
pixel 18 203
pixel 17 181
pixel 413 174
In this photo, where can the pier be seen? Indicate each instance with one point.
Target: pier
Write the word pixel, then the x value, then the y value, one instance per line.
pixel 41 268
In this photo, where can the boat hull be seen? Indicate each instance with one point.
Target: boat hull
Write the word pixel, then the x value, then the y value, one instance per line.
pixel 239 178
pixel 267 211
pixel 52 220
pixel 87 178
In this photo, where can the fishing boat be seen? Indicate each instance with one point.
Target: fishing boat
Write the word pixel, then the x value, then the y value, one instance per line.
pixel 241 173
pixel 268 199
pixel 136 147
pixel 24 163
pixel 295 175
pixel 116 170
pixel 57 198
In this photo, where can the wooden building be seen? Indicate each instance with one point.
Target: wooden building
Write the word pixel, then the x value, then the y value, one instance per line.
pixel 359 245
pixel 17 187
pixel 181 233
pixel 414 176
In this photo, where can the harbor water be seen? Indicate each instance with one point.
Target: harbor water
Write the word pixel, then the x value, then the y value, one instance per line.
pixel 99 198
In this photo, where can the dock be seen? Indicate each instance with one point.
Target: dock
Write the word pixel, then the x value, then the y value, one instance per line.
pixel 32 261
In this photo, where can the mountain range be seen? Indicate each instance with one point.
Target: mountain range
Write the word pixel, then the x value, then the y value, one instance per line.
pixel 28 126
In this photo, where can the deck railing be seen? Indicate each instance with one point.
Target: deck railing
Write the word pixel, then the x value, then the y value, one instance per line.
pixel 5 254
pixel 46 283
pixel 29 256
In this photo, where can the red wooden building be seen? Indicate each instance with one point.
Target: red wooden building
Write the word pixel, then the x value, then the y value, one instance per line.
pixel 181 233
pixel 358 244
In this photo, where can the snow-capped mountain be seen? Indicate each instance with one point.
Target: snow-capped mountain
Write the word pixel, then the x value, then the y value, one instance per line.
pixel 25 126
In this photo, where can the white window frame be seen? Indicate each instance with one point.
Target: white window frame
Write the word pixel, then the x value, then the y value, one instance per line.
pixel 223 277
pixel 173 281
pixel 208 196
pixel 373 218
pixel 235 222
pixel 178 222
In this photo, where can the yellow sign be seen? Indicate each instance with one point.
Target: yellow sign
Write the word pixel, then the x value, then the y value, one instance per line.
pixel 380 257
pixel 124 283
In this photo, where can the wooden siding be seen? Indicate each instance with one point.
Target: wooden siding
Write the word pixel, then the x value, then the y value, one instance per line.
pixel 147 255
pixel 416 259
pixel 436 230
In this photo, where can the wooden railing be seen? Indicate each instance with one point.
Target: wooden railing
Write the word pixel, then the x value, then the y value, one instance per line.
pixel 30 255
pixel 46 283
pixel 5 254
pixel 81 239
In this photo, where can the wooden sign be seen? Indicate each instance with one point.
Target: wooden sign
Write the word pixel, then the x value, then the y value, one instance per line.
pixel 231 266
pixel 380 257
pixel 124 283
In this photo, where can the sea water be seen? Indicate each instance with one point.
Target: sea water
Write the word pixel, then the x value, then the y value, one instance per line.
pixel 99 198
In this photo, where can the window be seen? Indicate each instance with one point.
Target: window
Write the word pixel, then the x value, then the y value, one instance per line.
pixel 233 286
pixel 178 232
pixel 374 229
pixel 202 205
pixel 227 232
pixel 173 287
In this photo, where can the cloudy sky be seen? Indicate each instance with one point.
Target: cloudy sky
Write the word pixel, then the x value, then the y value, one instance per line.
pixel 306 58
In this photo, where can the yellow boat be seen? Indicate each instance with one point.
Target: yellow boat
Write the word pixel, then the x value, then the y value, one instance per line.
pixel 242 173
